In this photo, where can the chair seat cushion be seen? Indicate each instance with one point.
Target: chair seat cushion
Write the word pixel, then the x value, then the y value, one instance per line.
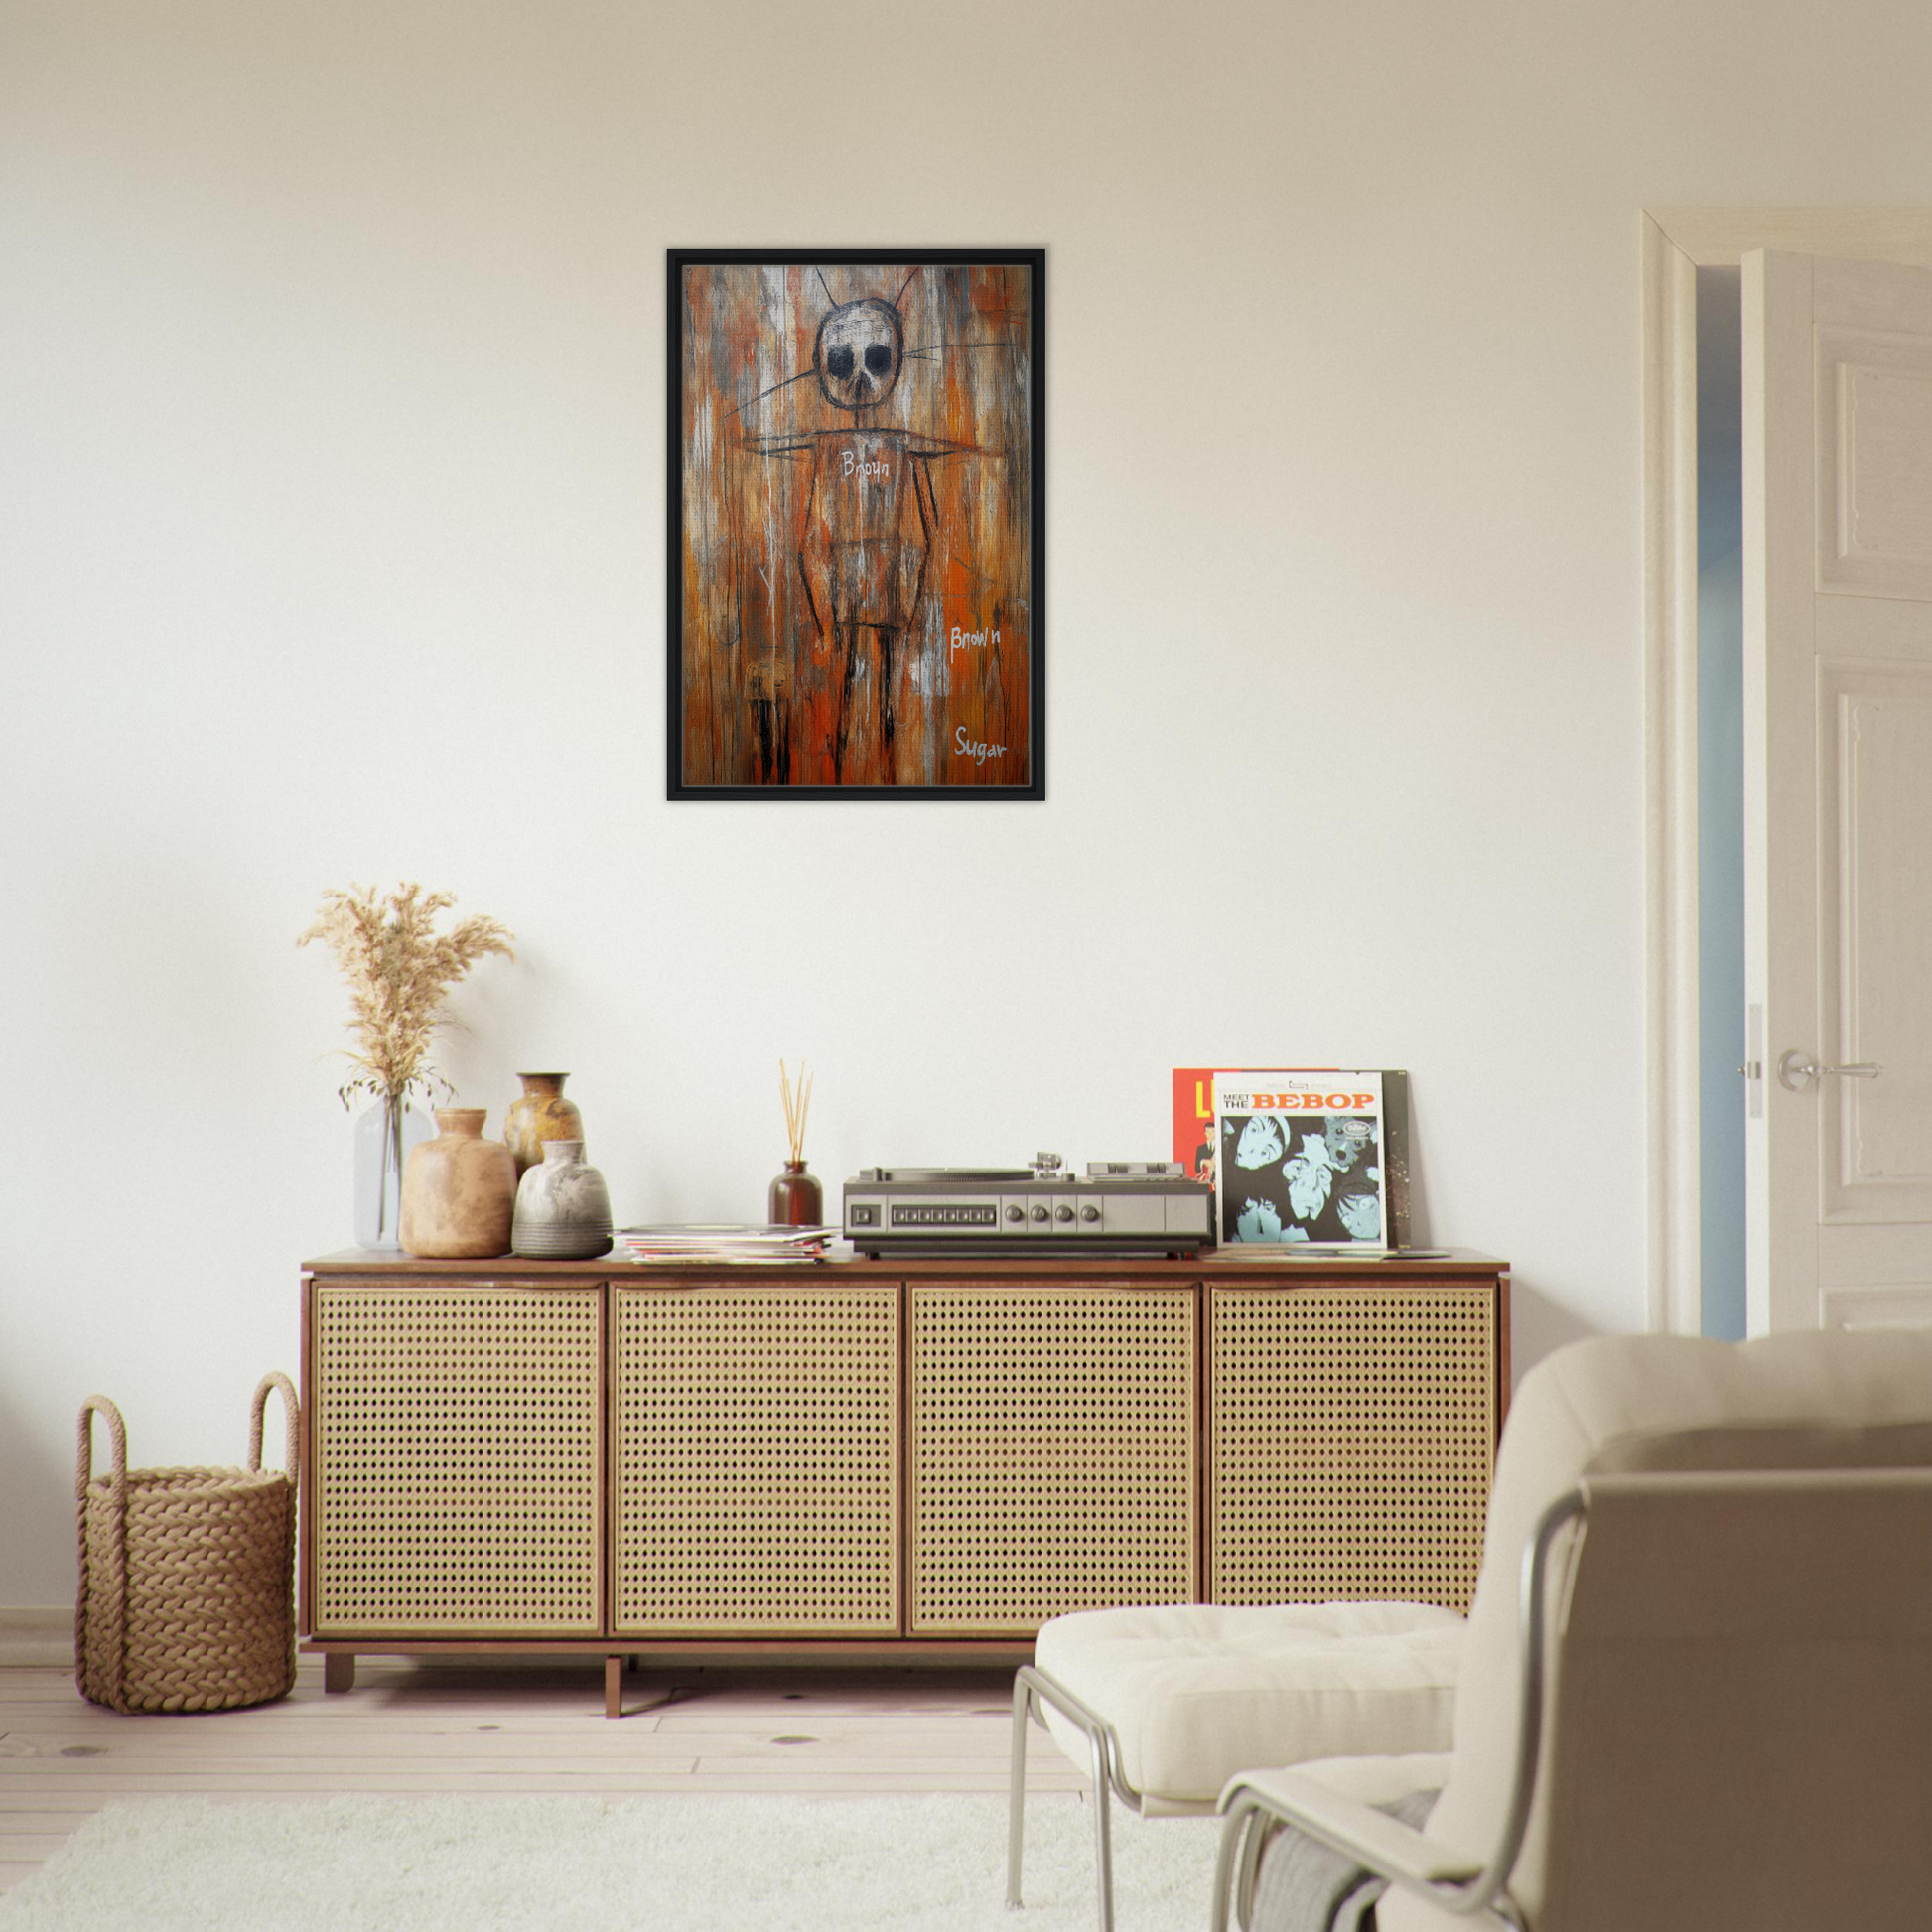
pixel 1197 1692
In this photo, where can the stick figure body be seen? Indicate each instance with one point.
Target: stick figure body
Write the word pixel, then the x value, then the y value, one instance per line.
pixel 870 518
pixel 868 528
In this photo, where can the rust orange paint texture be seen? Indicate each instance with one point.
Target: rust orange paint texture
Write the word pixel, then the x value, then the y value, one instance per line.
pixel 857 525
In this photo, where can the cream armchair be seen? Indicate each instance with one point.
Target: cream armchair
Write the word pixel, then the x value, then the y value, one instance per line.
pixel 1163 1706
pixel 1696 1684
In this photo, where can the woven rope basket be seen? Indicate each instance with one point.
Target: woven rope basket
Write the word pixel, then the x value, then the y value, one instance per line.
pixel 187 1575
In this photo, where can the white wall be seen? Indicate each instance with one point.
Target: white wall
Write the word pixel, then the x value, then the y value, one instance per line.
pixel 331 446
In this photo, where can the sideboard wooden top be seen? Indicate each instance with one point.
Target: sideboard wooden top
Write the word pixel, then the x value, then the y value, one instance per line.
pixel 1221 1265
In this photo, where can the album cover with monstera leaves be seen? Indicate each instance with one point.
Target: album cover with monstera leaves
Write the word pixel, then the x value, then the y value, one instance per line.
pixel 1314 1156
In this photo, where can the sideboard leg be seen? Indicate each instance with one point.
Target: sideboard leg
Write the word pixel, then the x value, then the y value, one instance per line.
pixel 339 1670
pixel 613 1687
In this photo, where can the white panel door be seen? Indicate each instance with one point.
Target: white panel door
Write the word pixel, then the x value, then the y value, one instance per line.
pixel 1838 776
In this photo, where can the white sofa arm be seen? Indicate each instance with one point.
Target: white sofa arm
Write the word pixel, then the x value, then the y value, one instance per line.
pixel 1449 1878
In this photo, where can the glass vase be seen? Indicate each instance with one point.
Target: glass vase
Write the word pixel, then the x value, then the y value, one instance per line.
pixel 385 1135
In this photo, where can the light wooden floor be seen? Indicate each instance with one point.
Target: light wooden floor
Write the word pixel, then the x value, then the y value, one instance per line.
pixel 509 1728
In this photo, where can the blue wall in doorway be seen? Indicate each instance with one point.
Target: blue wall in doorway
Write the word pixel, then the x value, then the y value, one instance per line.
pixel 1721 800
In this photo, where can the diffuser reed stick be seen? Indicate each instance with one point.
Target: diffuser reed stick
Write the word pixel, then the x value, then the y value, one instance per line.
pixel 797 1100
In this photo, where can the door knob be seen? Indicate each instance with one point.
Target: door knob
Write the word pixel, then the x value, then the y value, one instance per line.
pixel 1797 1071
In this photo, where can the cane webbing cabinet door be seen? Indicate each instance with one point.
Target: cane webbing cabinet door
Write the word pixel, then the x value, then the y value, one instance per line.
pixel 756 1459
pixel 1053 1434
pixel 456 1460
pixel 1351 1433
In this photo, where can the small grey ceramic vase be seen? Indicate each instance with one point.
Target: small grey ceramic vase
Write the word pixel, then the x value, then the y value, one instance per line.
pixel 563 1208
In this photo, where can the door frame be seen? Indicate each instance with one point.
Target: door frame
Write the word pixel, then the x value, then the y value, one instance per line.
pixel 1675 244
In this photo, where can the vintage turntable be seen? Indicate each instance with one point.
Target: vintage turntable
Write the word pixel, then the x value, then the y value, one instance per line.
pixel 1137 1207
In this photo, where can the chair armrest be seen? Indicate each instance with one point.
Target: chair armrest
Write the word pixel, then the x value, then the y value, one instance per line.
pixel 1378 1781
pixel 1383 1844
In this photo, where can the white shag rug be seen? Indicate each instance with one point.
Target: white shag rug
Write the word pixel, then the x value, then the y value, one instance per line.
pixel 756 1864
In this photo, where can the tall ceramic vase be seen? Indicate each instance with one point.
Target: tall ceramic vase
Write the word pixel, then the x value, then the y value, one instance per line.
pixel 540 1112
pixel 384 1136
pixel 458 1190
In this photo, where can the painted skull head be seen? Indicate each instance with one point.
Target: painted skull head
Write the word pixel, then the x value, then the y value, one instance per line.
pixel 861 345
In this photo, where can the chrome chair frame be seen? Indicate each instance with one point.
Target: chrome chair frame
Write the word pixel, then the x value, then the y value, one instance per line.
pixel 1253 1815
pixel 1032 1689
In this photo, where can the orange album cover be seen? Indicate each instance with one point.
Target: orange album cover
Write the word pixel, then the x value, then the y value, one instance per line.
pixel 1194 1112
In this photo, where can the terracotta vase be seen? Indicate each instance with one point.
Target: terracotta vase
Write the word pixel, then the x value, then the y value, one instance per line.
pixel 563 1208
pixel 796 1199
pixel 458 1190
pixel 540 1114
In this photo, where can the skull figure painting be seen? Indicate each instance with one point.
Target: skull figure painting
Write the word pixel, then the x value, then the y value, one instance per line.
pixel 870 519
pixel 855 566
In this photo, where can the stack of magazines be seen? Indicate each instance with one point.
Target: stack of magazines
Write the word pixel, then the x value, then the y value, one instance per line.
pixel 728 1241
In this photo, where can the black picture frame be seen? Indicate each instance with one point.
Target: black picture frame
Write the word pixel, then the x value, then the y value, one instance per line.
pixel 788 651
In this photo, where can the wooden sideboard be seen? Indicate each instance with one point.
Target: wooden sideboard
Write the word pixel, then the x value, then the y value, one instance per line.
pixel 884 1459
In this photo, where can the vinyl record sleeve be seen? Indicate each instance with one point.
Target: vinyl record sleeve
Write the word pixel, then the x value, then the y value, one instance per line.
pixel 1196 1146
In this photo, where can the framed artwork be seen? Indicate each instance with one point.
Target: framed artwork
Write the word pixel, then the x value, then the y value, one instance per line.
pixel 857 523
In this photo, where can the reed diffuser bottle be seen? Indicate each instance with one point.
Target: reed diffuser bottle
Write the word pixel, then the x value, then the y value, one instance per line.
pixel 795 1200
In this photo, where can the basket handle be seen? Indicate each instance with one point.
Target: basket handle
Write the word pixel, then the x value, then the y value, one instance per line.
pixel 113 1586
pixel 117 1432
pixel 291 1409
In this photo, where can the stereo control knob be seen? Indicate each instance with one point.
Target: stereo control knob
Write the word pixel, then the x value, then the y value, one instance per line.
pixel 1089 1213
pixel 1063 1212
pixel 1039 1214
pixel 1014 1212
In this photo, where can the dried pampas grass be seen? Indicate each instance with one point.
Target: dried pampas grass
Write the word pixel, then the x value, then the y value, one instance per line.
pixel 398 969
